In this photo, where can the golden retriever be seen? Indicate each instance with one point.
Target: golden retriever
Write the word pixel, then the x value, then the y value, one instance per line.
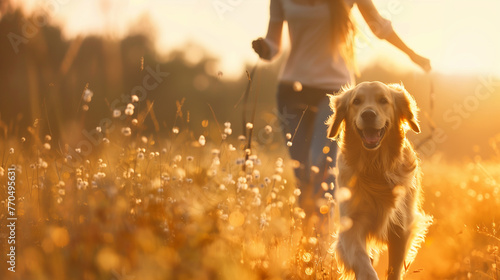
pixel 379 167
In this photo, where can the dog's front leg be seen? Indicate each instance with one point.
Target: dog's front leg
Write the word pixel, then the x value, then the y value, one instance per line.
pixel 352 250
pixel 398 242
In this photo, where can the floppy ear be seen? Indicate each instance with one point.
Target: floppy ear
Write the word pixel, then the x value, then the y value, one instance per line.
pixel 338 104
pixel 406 107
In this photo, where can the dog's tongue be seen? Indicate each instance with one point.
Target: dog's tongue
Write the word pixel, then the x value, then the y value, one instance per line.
pixel 372 136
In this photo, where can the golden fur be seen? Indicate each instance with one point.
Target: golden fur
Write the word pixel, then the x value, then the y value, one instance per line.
pixel 379 167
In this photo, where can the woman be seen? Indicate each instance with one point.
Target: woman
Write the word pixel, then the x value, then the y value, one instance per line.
pixel 320 60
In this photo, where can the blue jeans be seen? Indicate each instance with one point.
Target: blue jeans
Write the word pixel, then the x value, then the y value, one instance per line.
pixel 310 145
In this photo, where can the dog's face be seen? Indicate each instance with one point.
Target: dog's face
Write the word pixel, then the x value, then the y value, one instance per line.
pixel 372 109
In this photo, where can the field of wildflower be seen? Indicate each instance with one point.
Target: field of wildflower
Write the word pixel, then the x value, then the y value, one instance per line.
pixel 119 160
pixel 133 205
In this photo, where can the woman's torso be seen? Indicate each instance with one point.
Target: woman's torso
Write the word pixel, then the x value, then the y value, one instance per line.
pixel 313 60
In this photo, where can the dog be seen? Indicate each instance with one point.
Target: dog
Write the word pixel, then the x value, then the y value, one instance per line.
pixel 380 170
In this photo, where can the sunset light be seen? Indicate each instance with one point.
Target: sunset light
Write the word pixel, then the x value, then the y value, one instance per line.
pixel 458 36
pixel 237 139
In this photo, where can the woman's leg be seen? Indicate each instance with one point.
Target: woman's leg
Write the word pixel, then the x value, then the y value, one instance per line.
pixel 310 145
pixel 322 155
pixel 291 107
pixel 323 151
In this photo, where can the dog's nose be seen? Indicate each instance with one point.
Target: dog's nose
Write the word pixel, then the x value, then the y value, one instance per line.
pixel 368 116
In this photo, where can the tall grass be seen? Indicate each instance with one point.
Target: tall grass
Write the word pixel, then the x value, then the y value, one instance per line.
pixel 187 206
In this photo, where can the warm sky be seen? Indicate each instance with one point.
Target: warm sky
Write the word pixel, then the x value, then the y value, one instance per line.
pixel 459 36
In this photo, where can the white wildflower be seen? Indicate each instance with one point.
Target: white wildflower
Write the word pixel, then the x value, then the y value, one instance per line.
pixel 249 164
pixel 87 95
pixel 297 192
pixel 116 113
pixel 268 129
pixel 129 112
pixel 126 131
pixel 177 158
pixel 256 174
pixel 202 140
pixel 140 156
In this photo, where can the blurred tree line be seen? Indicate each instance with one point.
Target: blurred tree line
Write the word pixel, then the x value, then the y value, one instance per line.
pixel 43 76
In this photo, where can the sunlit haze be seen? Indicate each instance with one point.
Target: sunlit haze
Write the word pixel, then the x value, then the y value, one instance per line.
pixel 134 145
pixel 458 36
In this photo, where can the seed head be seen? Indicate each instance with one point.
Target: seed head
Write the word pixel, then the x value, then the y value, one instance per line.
pixel 297 192
pixel 140 156
pixel 202 140
pixel 87 95
pixel 126 131
pixel 129 112
pixel 268 129
pixel 116 113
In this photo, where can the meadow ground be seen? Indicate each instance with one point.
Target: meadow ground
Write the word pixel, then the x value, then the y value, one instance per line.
pixel 183 207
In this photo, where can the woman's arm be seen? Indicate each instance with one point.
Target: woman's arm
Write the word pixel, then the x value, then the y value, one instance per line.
pixel 382 28
pixel 421 61
pixel 270 46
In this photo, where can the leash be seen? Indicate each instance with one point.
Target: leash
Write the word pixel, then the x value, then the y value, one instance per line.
pixel 429 116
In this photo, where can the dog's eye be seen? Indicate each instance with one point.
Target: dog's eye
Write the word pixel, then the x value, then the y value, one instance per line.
pixel 384 100
pixel 356 101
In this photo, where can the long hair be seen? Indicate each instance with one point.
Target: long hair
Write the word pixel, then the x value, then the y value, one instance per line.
pixel 342 30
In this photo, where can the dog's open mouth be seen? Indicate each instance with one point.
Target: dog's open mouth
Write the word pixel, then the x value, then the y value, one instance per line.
pixel 372 137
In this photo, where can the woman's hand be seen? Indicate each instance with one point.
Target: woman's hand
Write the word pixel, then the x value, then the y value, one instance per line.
pixel 261 48
pixel 421 61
